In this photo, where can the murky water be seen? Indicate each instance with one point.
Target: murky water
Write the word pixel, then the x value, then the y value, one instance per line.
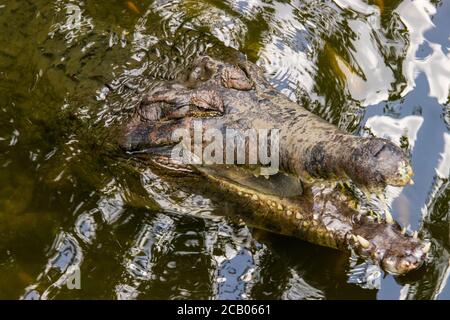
pixel 71 71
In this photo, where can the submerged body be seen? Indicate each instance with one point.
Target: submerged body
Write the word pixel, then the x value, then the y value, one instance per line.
pixel 226 96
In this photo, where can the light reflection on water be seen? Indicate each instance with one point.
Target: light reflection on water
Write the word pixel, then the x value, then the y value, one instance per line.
pixel 72 71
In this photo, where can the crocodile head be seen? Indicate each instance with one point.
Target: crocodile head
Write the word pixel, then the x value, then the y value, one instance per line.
pixel 237 96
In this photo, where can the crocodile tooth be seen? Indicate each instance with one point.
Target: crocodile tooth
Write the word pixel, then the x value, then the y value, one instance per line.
pixel 289 212
pixel 403 231
pixel 280 207
pixel 388 217
pixel 298 215
pixel 363 242
pixel 426 247
pixel 411 182
pixel 255 197
pixel 415 234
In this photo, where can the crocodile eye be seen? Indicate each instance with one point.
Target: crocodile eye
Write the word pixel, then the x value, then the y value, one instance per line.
pixel 235 78
pixel 203 70
pixel 195 74
pixel 208 100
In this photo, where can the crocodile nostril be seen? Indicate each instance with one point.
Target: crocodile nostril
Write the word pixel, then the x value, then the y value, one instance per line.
pixel 410 263
pixel 406 264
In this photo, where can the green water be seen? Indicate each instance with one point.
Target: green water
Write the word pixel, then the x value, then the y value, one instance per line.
pixel 72 71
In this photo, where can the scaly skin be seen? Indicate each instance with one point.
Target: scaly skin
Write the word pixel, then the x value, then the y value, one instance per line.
pixel 231 97
pixel 228 96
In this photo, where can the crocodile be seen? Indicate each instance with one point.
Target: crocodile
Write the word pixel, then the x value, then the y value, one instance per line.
pixel 305 197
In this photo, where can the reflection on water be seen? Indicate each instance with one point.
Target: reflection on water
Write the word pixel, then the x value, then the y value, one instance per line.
pixel 71 71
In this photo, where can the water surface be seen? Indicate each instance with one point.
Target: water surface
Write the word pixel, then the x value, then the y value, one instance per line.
pixel 72 71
